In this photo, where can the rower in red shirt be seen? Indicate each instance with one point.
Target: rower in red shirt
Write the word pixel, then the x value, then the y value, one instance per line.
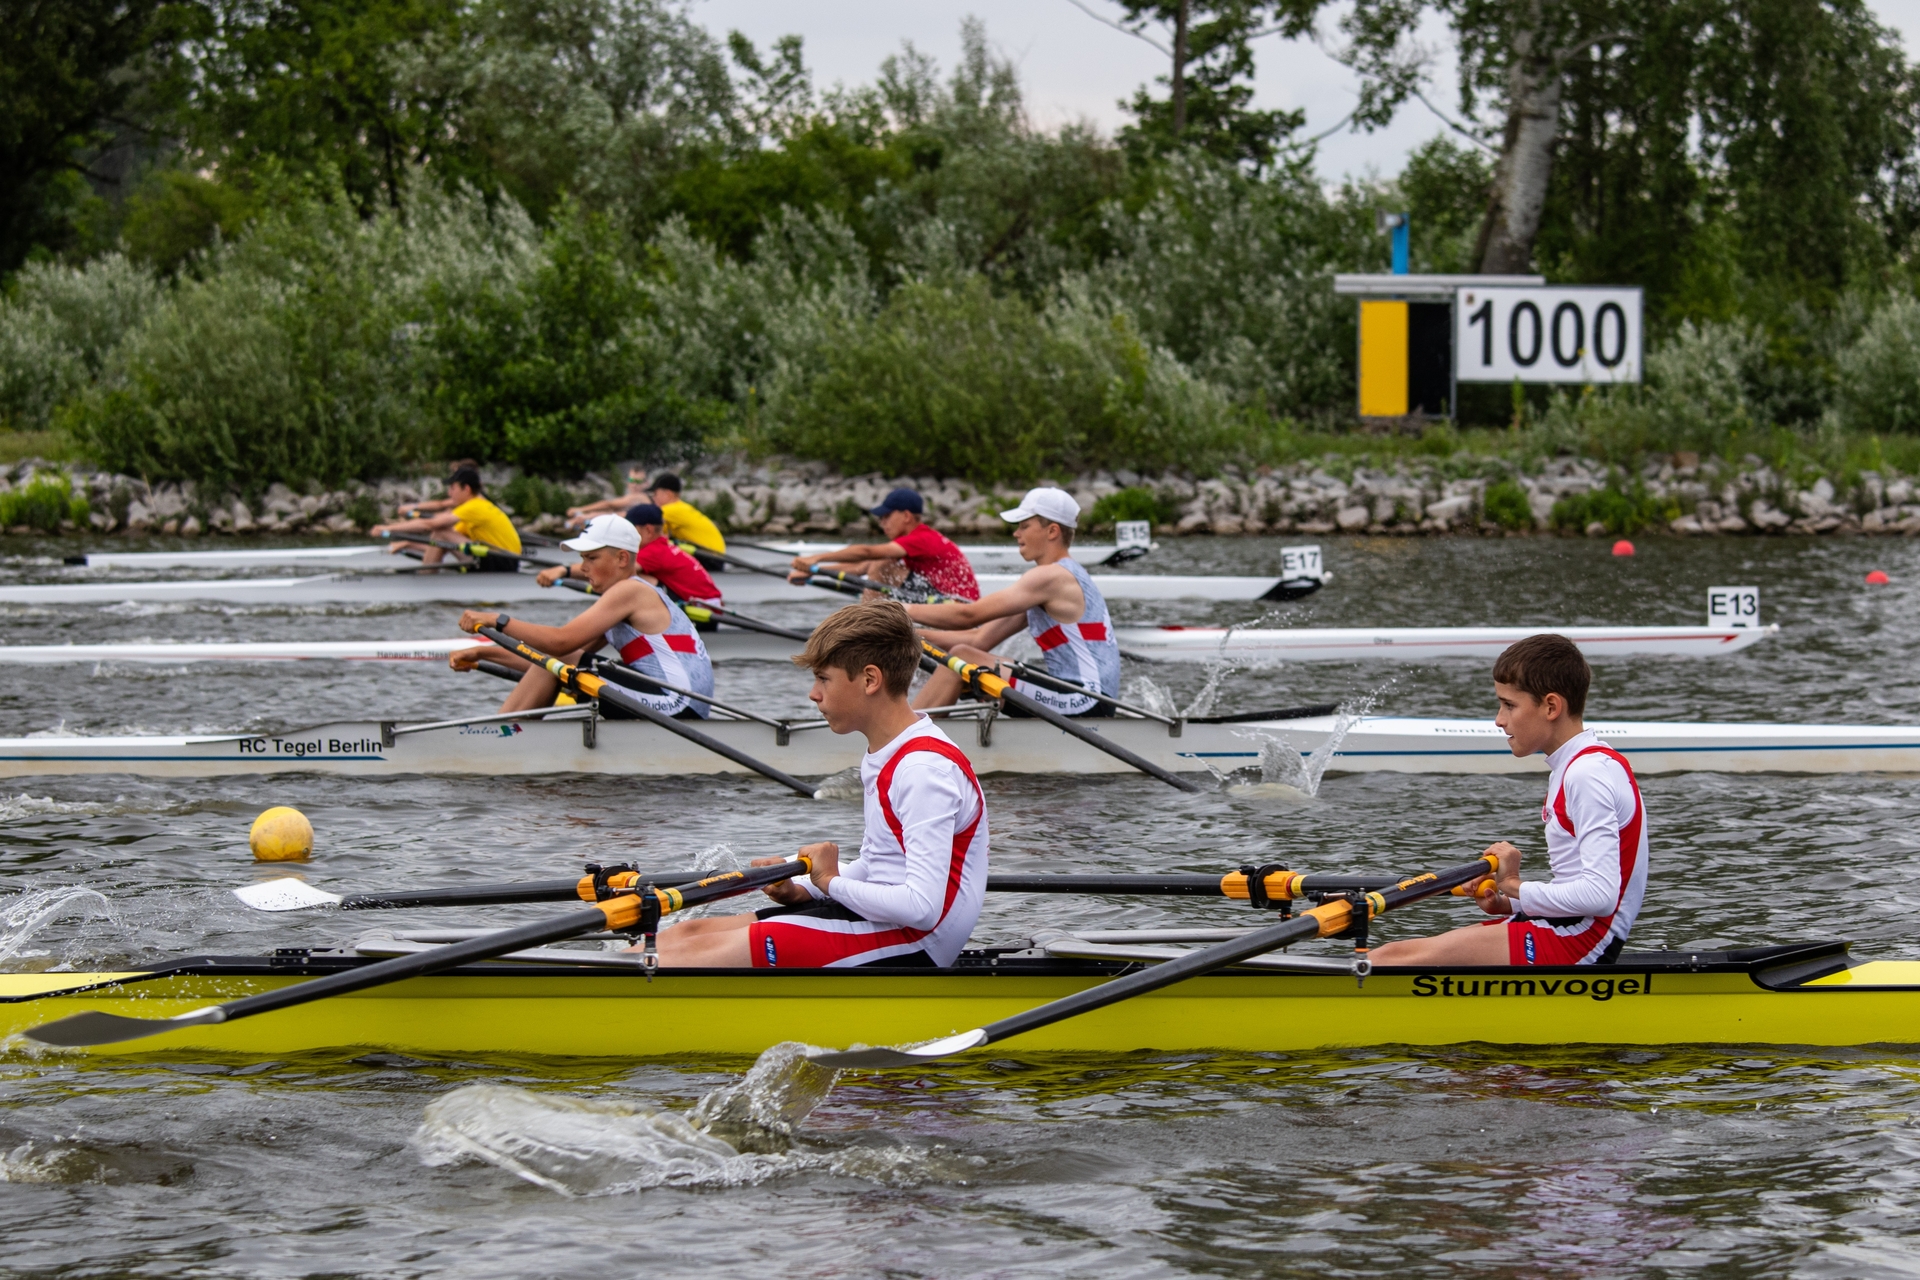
pixel 658 561
pixel 916 556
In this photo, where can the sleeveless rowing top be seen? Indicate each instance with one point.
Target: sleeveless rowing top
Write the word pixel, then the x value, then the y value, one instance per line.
pixel 676 657
pixel 1084 652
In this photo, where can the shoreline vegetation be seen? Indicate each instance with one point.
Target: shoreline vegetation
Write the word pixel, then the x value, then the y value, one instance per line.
pixel 1464 493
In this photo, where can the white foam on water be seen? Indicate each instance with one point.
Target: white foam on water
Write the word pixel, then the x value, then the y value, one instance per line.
pixel 23 806
pixel 1286 774
pixel 1217 672
pixel 1145 691
pixel 25 914
pixel 739 1134
pixel 844 785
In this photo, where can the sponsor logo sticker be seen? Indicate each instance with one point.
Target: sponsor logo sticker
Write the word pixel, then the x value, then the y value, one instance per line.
pixel 773 960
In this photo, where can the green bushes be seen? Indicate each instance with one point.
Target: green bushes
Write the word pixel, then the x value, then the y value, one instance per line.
pixel 1505 503
pixel 43 503
pixel 953 380
pixel 1879 376
pixel 1133 503
pixel 1618 511
pixel 57 329
pixel 528 497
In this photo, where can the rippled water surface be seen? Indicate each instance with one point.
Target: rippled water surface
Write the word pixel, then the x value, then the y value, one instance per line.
pixel 1699 1160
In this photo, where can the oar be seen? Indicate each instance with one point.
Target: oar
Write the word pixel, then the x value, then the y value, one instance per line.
pixel 290 894
pixel 851 584
pixel 986 682
pixel 1323 921
pixel 1047 680
pixel 710 613
pixel 641 911
pixel 584 682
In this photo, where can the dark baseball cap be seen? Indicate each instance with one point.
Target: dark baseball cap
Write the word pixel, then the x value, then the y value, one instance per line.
pixel 900 500
pixel 645 513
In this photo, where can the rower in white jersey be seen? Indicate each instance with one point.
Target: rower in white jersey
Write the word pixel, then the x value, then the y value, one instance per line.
pixel 1596 829
pixel 639 620
pixel 1056 601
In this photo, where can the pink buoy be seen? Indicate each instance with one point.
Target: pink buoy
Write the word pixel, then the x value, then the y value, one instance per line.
pixel 1623 548
pixel 1878 579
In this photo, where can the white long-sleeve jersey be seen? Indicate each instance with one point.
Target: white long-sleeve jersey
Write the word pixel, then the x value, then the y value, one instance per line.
pixel 1596 828
pixel 923 855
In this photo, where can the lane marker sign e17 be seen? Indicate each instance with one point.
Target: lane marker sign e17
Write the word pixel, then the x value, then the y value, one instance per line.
pixel 1733 606
pixel 1552 333
pixel 1301 562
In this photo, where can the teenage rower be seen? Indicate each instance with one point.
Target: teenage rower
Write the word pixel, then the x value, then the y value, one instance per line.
pixel 470 517
pixel 658 561
pixel 687 523
pixel 930 560
pixel 428 506
pixel 1055 601
pixel 639 620
pixel 1596 831
pixel 914 894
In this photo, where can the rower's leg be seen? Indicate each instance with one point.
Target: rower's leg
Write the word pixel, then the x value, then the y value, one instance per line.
pixel 940 690
pixel 536 689
pixel 1476 944
pixel 432 555
pixel 716 943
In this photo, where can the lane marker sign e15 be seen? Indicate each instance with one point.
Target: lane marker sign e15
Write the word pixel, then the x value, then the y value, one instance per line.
pixel 1133 533
pixel 1733 606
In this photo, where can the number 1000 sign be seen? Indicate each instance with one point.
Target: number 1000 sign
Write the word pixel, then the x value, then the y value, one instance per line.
pixel 1554 334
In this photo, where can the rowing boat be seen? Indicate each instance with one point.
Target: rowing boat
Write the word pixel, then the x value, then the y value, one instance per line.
pixel 1421 644
pixel 366 555
pixel 602 1005
pixel 1163 644
pixel 576 741
pixel 413 585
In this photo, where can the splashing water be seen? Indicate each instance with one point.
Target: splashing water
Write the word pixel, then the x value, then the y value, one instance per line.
pixel 1287 773
pixel 737 1135
pixel 1145 691
pixel 844 785
pixel 1217 672
pixel 31 911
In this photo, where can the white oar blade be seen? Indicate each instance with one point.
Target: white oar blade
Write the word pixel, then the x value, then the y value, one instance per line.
pixel 285 894
pixel 83 1030
pixel 872 1059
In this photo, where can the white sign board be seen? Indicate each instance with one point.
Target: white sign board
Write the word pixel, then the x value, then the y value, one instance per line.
pixel 1553 333
pixel 1133 533
pixel 1733 606
pixel 1300 562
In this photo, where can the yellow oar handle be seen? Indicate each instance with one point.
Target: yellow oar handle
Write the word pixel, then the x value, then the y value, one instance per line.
pixel 590 892
pixel 972 672
pixel 1281 886
pixel 1477 887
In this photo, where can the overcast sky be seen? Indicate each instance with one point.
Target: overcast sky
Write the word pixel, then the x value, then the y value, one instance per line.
pixel 1072 68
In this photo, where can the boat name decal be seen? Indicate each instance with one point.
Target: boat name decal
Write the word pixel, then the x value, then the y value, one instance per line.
pixel 303 747
pixel 1601 989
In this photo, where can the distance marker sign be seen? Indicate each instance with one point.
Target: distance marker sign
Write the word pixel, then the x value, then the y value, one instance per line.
pixel 1554 333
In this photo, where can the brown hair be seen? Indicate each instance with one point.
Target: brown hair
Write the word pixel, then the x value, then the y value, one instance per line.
pixel 873 633
pixel 1544 664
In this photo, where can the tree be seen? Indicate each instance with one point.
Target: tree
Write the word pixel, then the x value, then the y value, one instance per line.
pixel 68 71
pixel 1210 76
pixel 1632 127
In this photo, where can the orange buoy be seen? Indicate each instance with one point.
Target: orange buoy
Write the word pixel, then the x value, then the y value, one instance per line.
pixel 1878 579
pixel 1623 548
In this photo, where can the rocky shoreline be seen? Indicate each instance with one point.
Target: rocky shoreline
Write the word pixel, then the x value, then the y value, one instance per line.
pixel 1681 495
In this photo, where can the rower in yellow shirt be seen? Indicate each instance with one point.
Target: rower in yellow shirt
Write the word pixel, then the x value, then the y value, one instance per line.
pixel 471 518
pixel 686 522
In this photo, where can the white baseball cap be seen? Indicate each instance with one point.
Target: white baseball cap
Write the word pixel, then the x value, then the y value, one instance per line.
pixel 1056 505
pixel 606 531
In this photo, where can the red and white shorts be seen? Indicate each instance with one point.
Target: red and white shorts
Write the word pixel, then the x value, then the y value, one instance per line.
pixel 1531 940
pixel 824 935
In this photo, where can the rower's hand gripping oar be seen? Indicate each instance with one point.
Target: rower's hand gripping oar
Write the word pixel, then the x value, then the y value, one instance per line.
pixel 986 682
pixel 851 584
pixel 582 682
pixel 639 912
pixel 710 613
pixel 1326 920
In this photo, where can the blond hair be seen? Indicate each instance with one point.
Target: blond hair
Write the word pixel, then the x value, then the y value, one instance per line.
pixel 873 633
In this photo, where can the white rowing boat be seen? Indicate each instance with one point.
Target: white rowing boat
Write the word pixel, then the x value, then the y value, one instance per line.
pixel 1422 644
pixel 364 555
pixel 630 748
pixel 1167 644
pixel 416 587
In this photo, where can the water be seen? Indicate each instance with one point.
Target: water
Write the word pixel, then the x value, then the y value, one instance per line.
pixel 1701 1160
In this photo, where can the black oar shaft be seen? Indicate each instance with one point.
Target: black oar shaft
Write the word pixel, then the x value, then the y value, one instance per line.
pixel 480 895
pixel 607 691
pixel 1040 711
pixel 1330 919
pixel 1176 886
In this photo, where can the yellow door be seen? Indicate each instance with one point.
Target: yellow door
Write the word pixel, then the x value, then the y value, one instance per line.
pixel 1383 359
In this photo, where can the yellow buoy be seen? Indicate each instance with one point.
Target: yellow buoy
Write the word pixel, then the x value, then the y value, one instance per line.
pixel 281 835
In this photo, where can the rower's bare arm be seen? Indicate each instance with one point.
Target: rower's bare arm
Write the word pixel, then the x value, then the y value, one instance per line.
pixel 1036 587
pixel 986 636
pixel 625 602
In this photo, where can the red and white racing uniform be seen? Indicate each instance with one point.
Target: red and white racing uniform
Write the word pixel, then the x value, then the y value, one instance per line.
pixel 921 877
pixel 1597 846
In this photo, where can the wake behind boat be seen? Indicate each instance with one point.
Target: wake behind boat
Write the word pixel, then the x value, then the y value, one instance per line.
pixel 574 740
pixel 595 1004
